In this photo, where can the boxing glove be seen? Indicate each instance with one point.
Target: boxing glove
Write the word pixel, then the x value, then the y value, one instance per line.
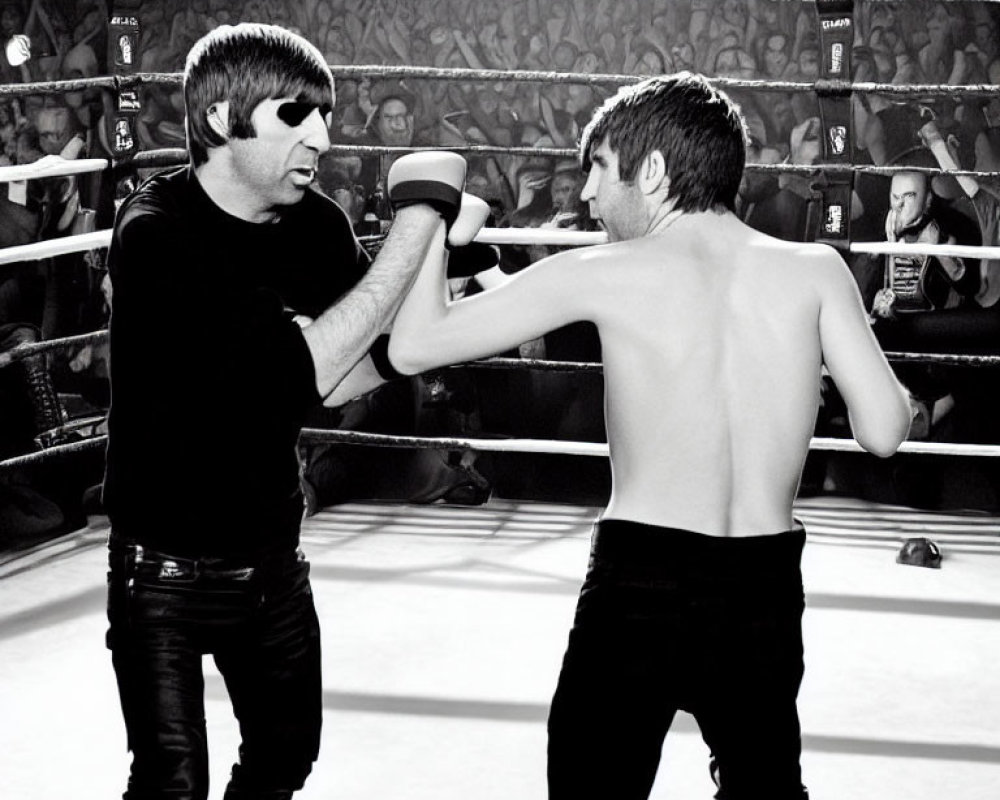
pixel 465 256
pixel 436 178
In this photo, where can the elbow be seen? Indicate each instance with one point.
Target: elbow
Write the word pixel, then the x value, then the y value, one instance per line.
pixel 882 448
pixel 405 358
pixel 883 440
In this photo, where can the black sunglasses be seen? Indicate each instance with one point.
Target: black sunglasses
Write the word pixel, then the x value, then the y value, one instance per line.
pixel 294 112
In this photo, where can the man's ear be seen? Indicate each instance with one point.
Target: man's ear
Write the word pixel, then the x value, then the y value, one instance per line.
pixel 218 118
pixel 653 172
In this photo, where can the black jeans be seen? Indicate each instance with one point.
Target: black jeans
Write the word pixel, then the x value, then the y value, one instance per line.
pixel 259 622
pixel 668 619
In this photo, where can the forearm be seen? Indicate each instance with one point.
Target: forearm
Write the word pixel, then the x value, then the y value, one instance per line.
pixel 363 378
pixel 344 333
pixel 945 160
pixel 424 306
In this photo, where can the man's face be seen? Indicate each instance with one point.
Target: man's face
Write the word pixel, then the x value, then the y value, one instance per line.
pixel 54 130
pixel 775 57
pixel 565 191
pixel 938 21
pixel 986 37
pixel 617 205
pixel 650 64
pixel 809 63
pixel 279 163
pixel 11 20
pixel 395 123
pixel 908 198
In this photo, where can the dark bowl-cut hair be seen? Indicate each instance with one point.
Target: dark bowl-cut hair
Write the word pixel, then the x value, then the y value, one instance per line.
pixel 697 128
pixel 247 64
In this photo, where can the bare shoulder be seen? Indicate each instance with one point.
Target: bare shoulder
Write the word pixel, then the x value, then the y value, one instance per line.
pixel 584 263
pixel 819 262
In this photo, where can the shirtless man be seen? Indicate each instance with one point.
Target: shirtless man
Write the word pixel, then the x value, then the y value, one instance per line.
pixel 713 338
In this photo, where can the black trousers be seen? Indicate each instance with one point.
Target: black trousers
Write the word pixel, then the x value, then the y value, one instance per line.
pixel 668 619
pixel 259 622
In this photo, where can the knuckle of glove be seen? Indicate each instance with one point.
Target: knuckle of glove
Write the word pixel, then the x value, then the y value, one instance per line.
pixel 433 178
pixel 472 215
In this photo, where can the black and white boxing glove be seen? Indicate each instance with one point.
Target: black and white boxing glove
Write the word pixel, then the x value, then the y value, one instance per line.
pixel 436 178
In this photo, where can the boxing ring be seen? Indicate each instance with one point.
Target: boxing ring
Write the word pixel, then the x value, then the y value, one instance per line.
pixel 444 626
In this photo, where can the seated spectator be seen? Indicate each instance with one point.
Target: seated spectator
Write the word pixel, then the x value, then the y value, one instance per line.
pixel 915 285
pixel 390 125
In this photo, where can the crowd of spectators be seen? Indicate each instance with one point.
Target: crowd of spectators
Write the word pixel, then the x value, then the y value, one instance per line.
pixel 917 41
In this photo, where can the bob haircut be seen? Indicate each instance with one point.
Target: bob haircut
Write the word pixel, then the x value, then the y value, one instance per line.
pixel 697 128
pixel 247 64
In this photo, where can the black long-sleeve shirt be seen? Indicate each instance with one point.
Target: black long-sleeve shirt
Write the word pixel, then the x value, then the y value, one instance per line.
pixel 210 375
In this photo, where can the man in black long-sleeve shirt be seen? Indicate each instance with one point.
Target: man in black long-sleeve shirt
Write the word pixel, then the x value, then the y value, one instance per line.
pixel 241 298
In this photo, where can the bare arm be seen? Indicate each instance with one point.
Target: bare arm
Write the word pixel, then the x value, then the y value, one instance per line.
pixel 431 331
pixel 937 145
pixel 343 333
pixel 362 379
pixel 877 403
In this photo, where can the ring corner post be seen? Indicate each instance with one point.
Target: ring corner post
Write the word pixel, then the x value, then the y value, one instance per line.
pixel 836 34
pixel 124 54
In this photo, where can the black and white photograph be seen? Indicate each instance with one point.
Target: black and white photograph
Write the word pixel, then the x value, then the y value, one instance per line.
pixel 535 399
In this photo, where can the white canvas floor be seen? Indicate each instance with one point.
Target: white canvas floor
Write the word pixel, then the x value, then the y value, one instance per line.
pixel 443 630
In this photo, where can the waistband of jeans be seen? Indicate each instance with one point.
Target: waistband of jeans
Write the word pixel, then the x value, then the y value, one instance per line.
pixel 242 567
pixel 625 541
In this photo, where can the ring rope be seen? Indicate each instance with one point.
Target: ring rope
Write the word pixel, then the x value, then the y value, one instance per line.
pixel 915 248
pixel 536 446
pixel 51 167
pixel 75 243
pixel 501 236
pixel 39 456
pixel 175 156
pixel 819 86
pixel 28 349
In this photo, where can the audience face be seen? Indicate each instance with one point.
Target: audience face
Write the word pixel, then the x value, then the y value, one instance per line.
pixel 650 63
pixel 809 64
pixel 734 12
pixel 683 56
pixel 11 20
pixel 477 184
pixel 565 189
pixel 55 129
pixel 394 123
pixel 986 39
pixel 564 56
pixel 25 150
pixel 775 55
pixel 909 198
pixel 938 22
pixel 734 63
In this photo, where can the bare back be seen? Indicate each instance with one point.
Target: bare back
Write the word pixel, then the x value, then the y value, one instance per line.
pixel 712 362
pixel 713 339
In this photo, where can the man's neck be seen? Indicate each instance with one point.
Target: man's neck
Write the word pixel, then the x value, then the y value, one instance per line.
pixel 224 189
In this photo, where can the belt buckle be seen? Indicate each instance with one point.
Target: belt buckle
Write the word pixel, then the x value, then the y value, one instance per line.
pixel 167 568
pixel 170 569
